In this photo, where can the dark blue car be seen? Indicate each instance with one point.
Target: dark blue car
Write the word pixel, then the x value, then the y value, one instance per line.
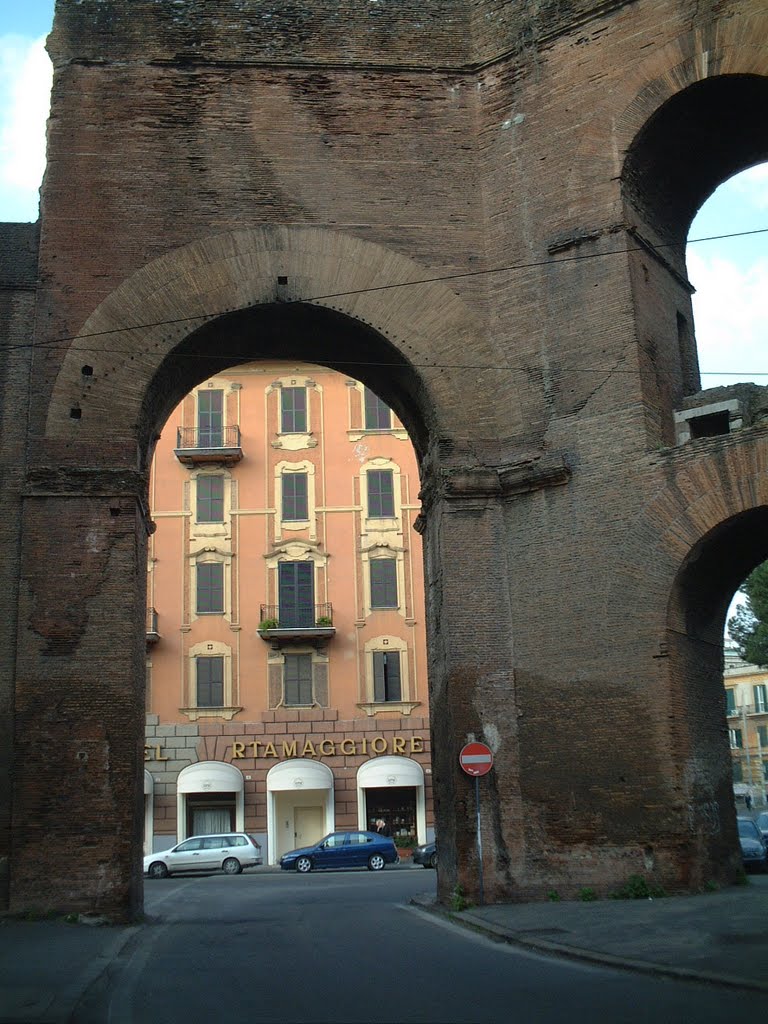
pixel 343 850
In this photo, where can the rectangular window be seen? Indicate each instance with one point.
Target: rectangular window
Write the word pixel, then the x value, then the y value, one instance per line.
pixel 383 582
pixel 293 410
pixel 730 702
pixel 210 682
pixel 377 415
pixel 210 588
pixel 762 735
pixel 296 594
pixel 295 501
pixel 210 499
pixel 759 695
pixel 297 679
pixel 734 738
pixel 210 419
pixel 381 493
pixel 386 676
pixel 765 769
pixel 738 773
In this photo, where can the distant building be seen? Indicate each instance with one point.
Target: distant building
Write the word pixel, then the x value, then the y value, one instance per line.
pixel 286 654
pixel 746 695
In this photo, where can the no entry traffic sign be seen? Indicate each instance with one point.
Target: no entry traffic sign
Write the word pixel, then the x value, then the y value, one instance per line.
pixel 476 759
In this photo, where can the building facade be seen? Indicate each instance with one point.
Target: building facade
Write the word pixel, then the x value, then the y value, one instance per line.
pixel 286 666
pixel 746 702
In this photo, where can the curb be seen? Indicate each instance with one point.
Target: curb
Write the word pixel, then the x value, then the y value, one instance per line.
pixel 474 922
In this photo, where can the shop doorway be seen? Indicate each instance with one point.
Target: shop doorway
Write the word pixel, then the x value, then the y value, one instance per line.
pixel 397 807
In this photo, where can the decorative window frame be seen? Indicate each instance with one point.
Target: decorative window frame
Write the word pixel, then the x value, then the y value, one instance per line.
pixel 408 700
pixel 210 554
pixel 372 554
pixel 356 413
pixel 381 524
pixel 296 551
pixel 291 442
pixel 209 649
pixel 319 657
pixel 306 525
pixel 222 529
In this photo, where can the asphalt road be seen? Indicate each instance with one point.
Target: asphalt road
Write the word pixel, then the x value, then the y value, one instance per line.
pixel 346 947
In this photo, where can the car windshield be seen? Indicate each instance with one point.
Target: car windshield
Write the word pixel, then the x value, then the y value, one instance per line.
pixel 747 829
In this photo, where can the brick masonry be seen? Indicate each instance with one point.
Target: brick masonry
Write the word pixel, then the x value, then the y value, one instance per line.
pixel 221 190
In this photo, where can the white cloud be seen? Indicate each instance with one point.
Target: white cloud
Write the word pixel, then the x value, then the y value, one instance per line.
pixel 731 312
pixel 25 89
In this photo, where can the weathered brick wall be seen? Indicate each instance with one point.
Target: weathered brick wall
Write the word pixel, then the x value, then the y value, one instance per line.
pixel 540 396
pixel 18 280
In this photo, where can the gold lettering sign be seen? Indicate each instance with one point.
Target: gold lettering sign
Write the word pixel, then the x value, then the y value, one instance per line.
pixel 374 745
pixel 153 753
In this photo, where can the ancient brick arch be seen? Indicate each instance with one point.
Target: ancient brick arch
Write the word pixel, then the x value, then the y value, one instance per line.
pixel 247 184
pixel 185 294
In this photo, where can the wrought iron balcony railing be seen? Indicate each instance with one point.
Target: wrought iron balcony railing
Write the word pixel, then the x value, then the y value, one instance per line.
pixel 152 632
pixel 305 623
pixel 216 444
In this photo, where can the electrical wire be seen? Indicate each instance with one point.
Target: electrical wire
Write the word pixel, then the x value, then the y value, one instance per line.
pixel 205 317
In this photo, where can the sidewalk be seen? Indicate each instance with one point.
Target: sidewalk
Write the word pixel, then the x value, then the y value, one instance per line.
pixel 719 937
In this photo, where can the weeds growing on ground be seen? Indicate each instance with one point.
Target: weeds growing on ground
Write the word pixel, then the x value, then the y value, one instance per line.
pixel 638 888
pixel 587 895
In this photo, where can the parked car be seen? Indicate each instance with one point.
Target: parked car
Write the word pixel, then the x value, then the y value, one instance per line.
pixel 229 852
pixel 754 852
pixel 425 855
pixel 343 850
pixel 762 823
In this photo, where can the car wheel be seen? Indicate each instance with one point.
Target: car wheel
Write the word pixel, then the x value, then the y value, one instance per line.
pixel 303 865
pixel 433 860
pixel 375 862
pixel 231 866
pixel 157 870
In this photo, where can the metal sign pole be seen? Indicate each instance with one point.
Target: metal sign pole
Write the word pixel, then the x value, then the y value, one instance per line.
pixel 479 840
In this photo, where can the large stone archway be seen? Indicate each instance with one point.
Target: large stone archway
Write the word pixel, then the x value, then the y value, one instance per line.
pixel 445 210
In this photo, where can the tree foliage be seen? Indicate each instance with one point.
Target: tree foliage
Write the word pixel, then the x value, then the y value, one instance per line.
pixel 749 626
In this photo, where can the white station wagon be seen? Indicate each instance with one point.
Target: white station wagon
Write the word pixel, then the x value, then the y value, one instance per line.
pixel 229 852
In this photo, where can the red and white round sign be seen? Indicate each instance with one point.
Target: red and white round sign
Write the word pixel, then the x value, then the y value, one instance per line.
pixel 476 759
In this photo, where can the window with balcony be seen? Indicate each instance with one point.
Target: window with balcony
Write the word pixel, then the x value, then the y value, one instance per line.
pixel 210 681
pixel 377 415
pixel 293 410
pixel 210 419
pixel 210 499
pixel 383 576
pixel 210 588
pixel 381 493
pixel 295 497
pixel 297 679
pixel 296 594
pixel 386 676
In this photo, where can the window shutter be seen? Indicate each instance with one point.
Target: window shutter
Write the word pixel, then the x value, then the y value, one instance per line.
pixel 295 503
pixel 296 594
pixel 383 573
pixel 210 682
pixel 379 689
pixel 730 702
pixel 293 410
pixel 381 494
pixel 210 588
pixel 393 675
pixel 210 419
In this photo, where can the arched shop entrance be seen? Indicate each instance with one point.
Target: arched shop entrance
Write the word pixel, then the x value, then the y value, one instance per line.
pixel 300 805
pixel 392 788
pixel 210 798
